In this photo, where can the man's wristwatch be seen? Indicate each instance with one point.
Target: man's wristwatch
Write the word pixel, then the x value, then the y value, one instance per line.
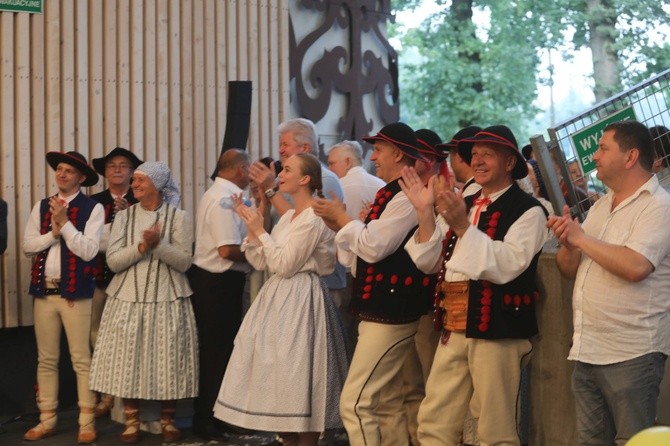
pixel 270 192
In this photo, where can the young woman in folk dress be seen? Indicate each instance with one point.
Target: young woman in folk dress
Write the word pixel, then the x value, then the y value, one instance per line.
pixel 289 362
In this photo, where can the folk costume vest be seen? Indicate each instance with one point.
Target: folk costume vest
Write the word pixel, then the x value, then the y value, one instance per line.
pixel 498 311
pixel 103 275
pixel 393 290
pixel 77 279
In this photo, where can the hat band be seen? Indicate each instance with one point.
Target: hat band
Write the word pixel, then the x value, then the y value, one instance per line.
pixel 396 142
pixel 504 140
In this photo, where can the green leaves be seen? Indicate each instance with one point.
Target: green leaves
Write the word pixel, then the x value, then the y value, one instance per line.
pixel 477 61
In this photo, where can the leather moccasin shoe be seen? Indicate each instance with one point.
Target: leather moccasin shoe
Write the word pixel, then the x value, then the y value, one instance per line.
pixel 38 432
pixel 86 436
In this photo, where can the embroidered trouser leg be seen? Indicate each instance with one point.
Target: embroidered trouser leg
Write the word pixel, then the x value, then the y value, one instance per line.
pixel 415 372
pixel 411 382
pixel 493 368
pixel 51 313
pixel 379 355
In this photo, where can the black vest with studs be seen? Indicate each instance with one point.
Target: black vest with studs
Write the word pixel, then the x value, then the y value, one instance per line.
pixel 393 290
pixel 498 311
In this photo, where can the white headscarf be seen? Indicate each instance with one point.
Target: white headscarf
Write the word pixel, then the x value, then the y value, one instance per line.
pixel 160 175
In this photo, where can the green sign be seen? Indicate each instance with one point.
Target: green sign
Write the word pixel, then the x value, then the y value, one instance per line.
pixel 32 6
pixel 586 140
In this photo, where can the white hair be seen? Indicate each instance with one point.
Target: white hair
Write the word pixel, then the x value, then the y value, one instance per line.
pixel 351 149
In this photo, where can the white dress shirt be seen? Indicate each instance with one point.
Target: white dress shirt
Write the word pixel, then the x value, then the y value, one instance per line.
pixel 217 226
pixel 359 187
pixel 379 238
pixel 478 257
pixel 616 320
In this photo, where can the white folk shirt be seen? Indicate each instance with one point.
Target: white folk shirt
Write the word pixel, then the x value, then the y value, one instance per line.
pixel 616 320
pixel 218 226
pixel 379 238
pixel 358 187
pixel 84 245
pixel 478 257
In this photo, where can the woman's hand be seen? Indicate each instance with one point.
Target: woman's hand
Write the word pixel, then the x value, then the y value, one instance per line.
pixel 253 218
pixel 150 238
pixel 237 199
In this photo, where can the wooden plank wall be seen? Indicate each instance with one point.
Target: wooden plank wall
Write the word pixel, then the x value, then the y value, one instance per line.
pixel 149 75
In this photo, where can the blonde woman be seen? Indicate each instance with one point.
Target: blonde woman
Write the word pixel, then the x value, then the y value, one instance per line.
pixel 289 362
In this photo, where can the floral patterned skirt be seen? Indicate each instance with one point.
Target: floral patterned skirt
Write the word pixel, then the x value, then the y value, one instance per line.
pixel 146 350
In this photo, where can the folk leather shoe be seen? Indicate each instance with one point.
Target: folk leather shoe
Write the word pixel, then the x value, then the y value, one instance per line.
pixel 38 432
pixel 86 435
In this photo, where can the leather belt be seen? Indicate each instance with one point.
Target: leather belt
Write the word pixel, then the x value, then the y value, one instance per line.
pixel 455 303
pixel 54 289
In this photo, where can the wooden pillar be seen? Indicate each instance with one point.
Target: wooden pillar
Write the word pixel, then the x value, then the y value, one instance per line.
pixel 552 409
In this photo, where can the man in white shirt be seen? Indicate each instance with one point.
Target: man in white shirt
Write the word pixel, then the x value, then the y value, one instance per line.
pixel 63 234
pixel 390 293
pixel 486 268
pixel 345 159
pixel 217 278
pixel 620 260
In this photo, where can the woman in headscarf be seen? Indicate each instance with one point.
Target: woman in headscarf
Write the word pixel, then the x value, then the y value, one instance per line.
pixel 147 345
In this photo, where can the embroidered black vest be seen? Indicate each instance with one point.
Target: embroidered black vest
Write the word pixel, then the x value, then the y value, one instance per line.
pixel 103 275
pixel 393 290
pixel 498 311
pixel 77 279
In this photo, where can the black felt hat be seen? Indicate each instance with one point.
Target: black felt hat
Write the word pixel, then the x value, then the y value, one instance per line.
pixel 466 132
pixel 501 136
pixel 74 159
pixel 401 135
pixel 428 141
pixel 99 163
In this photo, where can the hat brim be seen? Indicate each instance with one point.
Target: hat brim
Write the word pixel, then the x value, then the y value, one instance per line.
pixel 407 149
pixel 446 147
pixel 425 149
pixel 99 163
pixel 55 158
pixel 465 146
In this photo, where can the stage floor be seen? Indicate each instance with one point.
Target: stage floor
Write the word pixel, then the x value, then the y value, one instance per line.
pixel 13 428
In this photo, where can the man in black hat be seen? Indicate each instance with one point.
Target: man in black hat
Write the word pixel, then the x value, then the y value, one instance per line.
pixel 390 293
pixel 117 168
pixel 463 173
pixel 63 235
pixel 486 285
pixel 419 359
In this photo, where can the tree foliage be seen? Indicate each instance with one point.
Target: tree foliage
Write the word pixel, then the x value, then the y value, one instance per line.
pixel 457 72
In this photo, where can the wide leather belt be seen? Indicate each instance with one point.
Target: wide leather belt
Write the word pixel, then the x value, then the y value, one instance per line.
pixel 455 304
pixel 53 286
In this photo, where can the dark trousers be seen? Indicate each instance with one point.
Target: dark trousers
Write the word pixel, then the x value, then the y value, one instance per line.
pixel 217 304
